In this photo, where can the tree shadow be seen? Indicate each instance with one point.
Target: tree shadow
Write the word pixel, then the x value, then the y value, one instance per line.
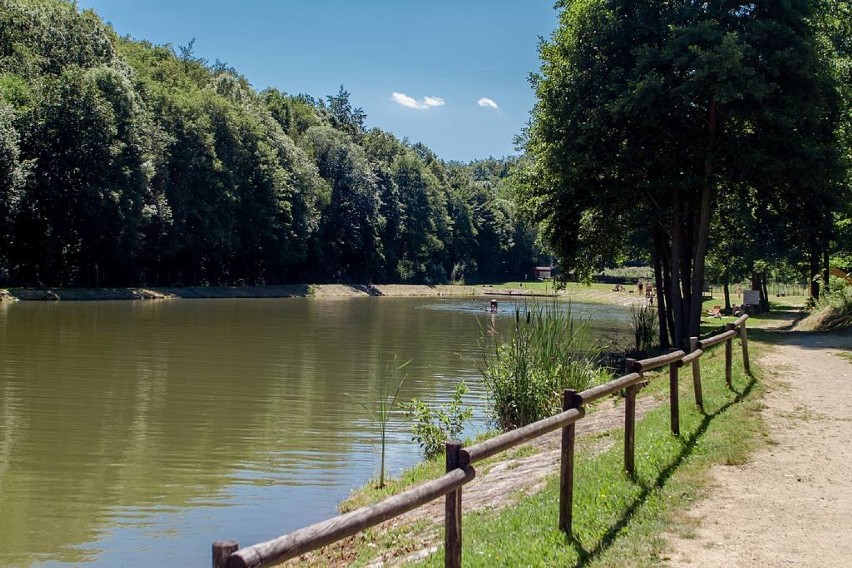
pixel 837 339
pixel 587 556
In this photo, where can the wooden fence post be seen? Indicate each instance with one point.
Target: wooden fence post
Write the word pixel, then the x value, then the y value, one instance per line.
pixel 674 397
pixel 630 429
pixel 630 366
pixel 222 550
pixel 570 400
pixel 744 341
pixel 453 512
pixel 729 355
pixel 696 375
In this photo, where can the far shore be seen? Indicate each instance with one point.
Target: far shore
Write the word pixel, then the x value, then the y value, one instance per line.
pixel 283 291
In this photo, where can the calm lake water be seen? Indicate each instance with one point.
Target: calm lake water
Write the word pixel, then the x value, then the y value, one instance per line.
pixel 132 432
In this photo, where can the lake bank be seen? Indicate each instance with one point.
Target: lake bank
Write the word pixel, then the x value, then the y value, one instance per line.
pixel 598 294
pixel 208 292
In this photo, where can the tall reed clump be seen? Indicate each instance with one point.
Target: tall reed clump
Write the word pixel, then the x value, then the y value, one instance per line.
pixel 643 322
pixel 526 368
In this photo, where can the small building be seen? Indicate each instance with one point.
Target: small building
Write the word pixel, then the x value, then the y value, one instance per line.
pixel 543 272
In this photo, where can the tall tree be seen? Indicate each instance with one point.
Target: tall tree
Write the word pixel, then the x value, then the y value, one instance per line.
pixel 647 112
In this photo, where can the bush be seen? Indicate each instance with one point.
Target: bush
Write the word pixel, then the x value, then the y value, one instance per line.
pixel 838 297
pixel 525 372
pixel 434 426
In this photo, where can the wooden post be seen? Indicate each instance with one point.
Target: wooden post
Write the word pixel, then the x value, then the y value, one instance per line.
pixel 222 550
pixel 674 397
pixel 630 429
pixel 453 512
pixel 566 472
pixel 696 375
pixel 729 355
pixel 744 341
pixel 630 366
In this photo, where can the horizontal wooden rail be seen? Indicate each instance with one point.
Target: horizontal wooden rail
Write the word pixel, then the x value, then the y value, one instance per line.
pixel 320 534
pixel 690 357
pixel 716 339
pixel 503 442
pixel 657 362
pixel 228 554
pixel 612 387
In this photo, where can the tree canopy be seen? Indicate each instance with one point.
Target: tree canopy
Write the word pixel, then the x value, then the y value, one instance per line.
pixel 124 162
pixel 651 115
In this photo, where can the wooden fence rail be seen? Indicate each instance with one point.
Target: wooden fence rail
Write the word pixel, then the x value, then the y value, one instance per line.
pixel 459 460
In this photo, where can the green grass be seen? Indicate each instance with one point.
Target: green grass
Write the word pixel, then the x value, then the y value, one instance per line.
pixel 620 521
pixel 617 521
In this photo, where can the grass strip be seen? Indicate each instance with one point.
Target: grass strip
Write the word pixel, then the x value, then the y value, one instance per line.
pixel 617 521
pixel 620 521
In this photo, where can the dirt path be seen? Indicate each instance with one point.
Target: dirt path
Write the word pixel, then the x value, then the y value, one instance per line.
pixel 791 505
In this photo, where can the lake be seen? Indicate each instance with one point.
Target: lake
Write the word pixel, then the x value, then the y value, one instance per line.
pixel 140 430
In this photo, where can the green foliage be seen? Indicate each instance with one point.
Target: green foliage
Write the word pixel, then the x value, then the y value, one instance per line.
pixel 838 296
pixel 435 425
pixel 124 162
pixel 651 115
pixel 527 369
pixel 643 323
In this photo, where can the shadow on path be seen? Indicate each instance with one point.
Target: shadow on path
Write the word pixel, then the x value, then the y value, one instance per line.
pixel 587 556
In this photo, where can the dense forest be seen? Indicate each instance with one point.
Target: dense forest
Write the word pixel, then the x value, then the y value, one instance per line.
pixel 125 163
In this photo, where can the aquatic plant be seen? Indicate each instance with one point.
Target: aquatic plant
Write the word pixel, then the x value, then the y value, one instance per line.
pixel 526 369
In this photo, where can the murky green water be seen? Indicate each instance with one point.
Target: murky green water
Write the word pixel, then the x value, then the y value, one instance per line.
pixel 131 432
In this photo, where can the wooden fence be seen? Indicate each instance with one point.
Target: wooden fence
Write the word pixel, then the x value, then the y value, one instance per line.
pixel 460 460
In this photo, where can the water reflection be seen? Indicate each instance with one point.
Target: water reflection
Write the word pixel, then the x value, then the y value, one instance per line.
pixel 134 428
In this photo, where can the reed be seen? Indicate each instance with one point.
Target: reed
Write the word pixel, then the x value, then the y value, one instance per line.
pixel 526 368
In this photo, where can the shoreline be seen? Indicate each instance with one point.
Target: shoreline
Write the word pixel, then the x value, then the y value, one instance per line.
pixel 282 291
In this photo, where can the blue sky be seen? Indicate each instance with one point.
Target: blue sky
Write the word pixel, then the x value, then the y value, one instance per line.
pixel 422 70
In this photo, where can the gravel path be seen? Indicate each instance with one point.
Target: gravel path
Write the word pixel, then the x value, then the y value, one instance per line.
pixel 791 505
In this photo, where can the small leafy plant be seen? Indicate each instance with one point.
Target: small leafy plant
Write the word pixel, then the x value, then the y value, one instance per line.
pixel 384 406
pixel 435 425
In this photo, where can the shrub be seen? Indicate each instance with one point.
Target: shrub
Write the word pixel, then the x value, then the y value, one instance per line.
pixel 526 370
pixel 838 296
pixel 435 425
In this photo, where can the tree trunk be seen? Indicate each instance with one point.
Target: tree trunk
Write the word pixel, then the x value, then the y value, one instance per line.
pixel 702 232
pixel 826 272
pixel 764 292
pixel 814 271
pixel 675 292
pixel 727 289
pixel 699 260
pixel 656 254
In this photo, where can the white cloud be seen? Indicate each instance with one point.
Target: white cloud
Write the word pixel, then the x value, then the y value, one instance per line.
pixel 411 102
pixel 433 101
pixel 486 102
